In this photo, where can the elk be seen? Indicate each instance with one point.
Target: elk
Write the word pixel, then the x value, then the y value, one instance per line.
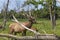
pixel 16 28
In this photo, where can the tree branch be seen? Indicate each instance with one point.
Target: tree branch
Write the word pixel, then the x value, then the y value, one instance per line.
pixel 43 37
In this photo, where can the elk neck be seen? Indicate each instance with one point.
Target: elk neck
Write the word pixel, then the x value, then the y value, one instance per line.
pixel 30 24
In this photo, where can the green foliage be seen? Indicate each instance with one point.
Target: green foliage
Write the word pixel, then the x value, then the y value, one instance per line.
pixel 1 15
pixel 43 24
pixel 37 13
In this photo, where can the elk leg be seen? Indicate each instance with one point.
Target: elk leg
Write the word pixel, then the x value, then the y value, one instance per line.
pixel 15 33
pixel 11 31
pixel 24 33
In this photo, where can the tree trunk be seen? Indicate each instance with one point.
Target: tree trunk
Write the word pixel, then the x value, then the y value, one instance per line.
pixel 5 14
pixel 52 14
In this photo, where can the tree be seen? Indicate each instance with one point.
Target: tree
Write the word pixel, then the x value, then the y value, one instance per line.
pixel 5 13
pixel 52 5
pixel 36 4
pixel 17 5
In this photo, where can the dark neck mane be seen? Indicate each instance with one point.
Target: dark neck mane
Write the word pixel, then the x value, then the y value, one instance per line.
pixel 30 24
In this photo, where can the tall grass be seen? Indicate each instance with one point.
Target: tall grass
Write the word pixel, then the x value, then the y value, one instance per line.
pixel 43 24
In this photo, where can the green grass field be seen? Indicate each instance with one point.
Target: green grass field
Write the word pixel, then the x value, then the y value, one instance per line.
pixel 43 24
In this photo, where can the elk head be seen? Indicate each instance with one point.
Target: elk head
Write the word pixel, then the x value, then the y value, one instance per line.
pixel 30 18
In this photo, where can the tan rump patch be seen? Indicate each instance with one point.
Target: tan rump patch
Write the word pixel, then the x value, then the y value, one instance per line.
pixel 18 28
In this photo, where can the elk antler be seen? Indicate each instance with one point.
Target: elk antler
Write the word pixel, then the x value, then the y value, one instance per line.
pixel 24 26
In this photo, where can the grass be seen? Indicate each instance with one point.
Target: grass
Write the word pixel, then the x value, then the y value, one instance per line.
pixel 43 24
